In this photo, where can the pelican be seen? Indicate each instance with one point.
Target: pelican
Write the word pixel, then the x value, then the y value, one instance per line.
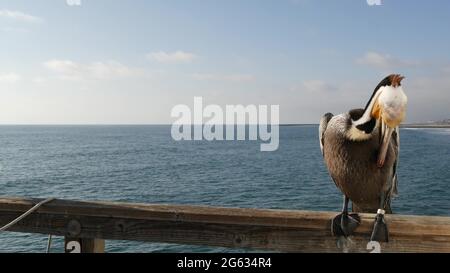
pixel 360 149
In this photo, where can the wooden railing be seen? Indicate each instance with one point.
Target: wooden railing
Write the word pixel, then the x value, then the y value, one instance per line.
pixel 86 225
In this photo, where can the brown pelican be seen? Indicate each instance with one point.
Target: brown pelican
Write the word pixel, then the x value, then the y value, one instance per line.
pixel 360 149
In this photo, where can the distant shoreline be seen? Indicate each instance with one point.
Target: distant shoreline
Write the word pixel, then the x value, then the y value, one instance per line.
pixel 425 126
pixel 282 125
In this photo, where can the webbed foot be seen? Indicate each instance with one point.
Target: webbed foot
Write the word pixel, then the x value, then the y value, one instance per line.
pixel 344 224
pixel 380 231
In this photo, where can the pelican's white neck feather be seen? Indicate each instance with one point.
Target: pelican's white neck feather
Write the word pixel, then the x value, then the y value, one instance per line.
pixel 368 112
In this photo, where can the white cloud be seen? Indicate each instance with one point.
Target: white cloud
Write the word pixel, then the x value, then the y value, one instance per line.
pixel 39 80
pixel 174 57
pixel 66 68
pixel 14 29
pixel 105 70
pixel 375 59
pixel 228 78
pixel 317 86
pixel 69 70
pixel 313 86
pixel 19 16
pixel 383 61
pixel 9 78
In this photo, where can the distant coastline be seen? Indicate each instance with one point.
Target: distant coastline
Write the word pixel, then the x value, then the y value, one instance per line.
pixel 425 126
pixel 432 124
pixel 412 125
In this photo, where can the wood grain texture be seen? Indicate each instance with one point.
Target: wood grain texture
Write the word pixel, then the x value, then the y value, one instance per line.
pixel 83 245
pixel 278 230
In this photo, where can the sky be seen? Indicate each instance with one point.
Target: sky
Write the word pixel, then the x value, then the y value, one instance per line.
pixel 131 62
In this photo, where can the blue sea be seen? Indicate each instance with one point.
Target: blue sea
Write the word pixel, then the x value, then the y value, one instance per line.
pixel 143 164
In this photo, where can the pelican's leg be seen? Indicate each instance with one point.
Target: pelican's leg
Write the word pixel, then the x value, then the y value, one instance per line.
pixel 344 224
pixel 380 231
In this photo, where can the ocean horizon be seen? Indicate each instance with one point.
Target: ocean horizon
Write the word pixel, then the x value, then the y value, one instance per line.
pixel 143 164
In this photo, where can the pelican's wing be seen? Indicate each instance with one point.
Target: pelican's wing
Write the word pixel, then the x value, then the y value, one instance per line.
pixel 322 127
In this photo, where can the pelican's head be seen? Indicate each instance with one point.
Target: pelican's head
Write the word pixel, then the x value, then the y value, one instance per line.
pixel 387 107
pixel 390 104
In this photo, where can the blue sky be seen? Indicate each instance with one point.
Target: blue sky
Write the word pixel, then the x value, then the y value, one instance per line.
pixel 132 61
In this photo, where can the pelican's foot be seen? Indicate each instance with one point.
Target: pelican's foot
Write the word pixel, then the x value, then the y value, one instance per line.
pixel 344 224
pixel 380 231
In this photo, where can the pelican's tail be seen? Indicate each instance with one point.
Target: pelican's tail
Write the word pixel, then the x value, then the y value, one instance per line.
pixel 322 127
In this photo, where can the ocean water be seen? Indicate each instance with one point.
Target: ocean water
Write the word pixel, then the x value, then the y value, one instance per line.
pixel 143 164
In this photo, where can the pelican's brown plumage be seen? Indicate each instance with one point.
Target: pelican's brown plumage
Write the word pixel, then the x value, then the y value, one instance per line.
pixel 352 165
pixel 360 149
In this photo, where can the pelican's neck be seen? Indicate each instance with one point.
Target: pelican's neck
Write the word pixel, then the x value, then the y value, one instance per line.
pixel 362 132
pixel 367 116
pixel 361 127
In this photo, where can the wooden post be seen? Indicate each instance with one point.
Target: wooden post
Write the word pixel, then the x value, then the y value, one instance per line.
pixel 83 245
pixel 280 230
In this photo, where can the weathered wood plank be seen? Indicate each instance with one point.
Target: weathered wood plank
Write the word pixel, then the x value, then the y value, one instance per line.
pixel 279 230
pixel 83 245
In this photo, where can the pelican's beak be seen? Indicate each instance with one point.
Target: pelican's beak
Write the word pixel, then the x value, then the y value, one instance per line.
pixel 386 133
pixel 390 109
